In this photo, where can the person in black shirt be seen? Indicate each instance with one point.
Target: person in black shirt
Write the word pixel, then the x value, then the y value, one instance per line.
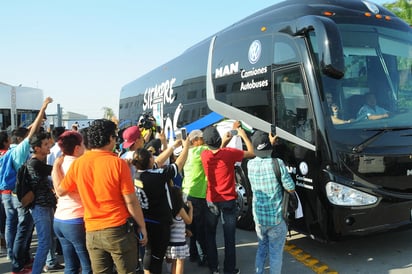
pixel 44 198
pixel 155 199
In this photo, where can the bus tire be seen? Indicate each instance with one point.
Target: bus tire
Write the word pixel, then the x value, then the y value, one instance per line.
pixel 244 200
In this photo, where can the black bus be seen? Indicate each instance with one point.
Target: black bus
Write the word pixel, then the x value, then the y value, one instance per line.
pixel 290 65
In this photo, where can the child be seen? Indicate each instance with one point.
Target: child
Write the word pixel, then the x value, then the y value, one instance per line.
pixel 178 249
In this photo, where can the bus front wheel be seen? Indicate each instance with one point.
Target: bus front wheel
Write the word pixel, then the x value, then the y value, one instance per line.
pixel 244 200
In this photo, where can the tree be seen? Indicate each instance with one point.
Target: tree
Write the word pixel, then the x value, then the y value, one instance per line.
pixel 402 9
pixel 108 113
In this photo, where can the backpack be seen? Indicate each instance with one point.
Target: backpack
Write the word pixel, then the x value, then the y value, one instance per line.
pixel 7 172
pixel 289 200
pixel 24 191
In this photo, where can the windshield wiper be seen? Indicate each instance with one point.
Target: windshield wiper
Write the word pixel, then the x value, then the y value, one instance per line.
pixel 360 147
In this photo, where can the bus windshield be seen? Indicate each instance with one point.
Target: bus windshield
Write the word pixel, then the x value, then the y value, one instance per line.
pixel 376 89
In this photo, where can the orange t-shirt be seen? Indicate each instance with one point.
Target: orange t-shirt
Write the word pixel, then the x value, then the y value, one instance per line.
pixel 101 179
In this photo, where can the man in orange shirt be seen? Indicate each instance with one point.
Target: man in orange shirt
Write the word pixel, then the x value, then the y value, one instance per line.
pixel 108 195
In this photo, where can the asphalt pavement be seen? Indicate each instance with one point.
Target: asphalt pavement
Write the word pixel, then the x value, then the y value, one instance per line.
pixel 246 245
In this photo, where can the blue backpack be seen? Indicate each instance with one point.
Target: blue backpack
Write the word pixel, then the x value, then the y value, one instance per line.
pixel 8 173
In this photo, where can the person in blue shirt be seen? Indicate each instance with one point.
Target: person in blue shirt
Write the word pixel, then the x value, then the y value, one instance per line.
pixel 370 110
pixel 270 226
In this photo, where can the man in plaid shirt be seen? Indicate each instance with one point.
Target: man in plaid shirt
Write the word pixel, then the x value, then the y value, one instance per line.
pixel 267 202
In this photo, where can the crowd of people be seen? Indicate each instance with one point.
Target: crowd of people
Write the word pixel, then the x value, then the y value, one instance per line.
pixel 131 208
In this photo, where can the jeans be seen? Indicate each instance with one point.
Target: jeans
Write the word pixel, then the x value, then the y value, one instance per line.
pixel 198 239
pixel 271 241
pixel 72 237
pixel 43 221
pixel 18 231
pixel 11 203
pixel 2 219
pixel 51 255
pixel 227 211
pixel 115 244
pixel 22 241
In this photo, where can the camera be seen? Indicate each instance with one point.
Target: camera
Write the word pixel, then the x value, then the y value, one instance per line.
pixel 147 121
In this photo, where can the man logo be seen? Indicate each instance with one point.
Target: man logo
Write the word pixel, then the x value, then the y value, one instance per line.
pixel 409 172
pixel 255 50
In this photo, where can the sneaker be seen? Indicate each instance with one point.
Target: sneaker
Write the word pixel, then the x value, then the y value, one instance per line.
pixel 23 271
pixel 52 268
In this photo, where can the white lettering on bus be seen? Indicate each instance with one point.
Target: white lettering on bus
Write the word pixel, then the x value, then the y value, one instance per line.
pixel 227 70
pixel 159 93
pixel 253 85
pixel 253 72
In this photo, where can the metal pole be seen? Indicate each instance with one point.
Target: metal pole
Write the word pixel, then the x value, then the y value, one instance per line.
pixel 13 107
pixel 59 115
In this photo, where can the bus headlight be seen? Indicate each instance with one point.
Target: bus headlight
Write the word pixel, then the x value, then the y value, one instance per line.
pixel 346 196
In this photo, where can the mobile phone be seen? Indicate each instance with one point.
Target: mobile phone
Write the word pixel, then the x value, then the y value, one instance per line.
pixel 273 129
pixel 140 236
pixel 159 129
pixel 184 133
pixel 233 132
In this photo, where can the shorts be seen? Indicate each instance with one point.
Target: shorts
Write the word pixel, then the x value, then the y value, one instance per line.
pixel 177 252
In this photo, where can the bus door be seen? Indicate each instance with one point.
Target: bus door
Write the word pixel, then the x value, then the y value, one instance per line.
pixel 293 113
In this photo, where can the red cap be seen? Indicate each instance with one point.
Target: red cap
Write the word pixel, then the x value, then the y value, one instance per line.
pixel 130 135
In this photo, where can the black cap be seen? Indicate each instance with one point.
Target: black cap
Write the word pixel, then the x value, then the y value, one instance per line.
pixel 261 144
pixel 154 146
pixel 211 137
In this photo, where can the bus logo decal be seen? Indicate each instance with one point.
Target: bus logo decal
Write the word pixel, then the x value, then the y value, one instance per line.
pixel 161 93
pixel 255 50
pixel 227 70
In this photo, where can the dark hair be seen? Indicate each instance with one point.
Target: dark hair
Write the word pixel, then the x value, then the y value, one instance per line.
pixel 57 131
pixel 4 138
pixel 83 132
pixel 37 139
pixel 68 141
pixel 20 132
pixel 141 158
pixel 99 133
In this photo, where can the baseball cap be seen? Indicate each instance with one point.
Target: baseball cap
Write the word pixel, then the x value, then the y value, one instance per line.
pixel 261 144
pixel 211 137
pixel 130 135
pixel 154 146
pixel 196 133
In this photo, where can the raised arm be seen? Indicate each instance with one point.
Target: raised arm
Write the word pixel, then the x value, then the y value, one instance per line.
pixel 37 122
pixel 161 159
pixel 249 152
pixel 180 161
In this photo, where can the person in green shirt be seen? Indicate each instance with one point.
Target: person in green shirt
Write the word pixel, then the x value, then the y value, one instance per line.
pixel 194 189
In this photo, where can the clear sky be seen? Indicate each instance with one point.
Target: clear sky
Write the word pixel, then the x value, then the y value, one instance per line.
pixel 81 53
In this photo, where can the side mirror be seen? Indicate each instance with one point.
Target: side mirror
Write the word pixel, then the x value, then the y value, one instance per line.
pixel 329 43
